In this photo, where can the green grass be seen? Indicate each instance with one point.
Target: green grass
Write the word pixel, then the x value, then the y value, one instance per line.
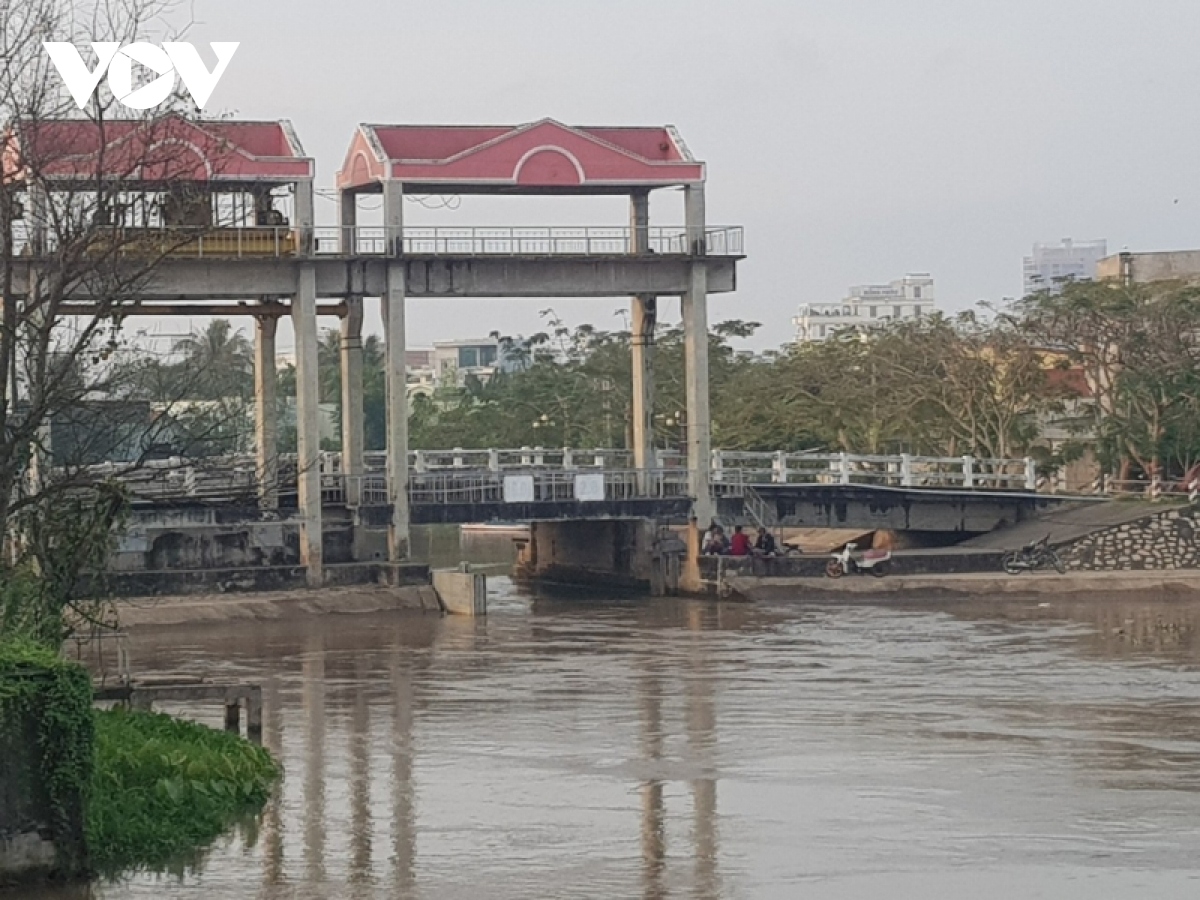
pixel 163 788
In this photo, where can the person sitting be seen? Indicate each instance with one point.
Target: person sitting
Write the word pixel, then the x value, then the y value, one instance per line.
pixel 765 544
pixel 740 545
pixel 714 541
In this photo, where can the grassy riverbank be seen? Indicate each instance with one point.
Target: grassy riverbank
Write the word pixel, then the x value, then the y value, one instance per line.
pixel 164 787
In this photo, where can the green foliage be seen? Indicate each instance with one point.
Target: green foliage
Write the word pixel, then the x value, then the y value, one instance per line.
pixel 1138 347
pixel 570 388
pixel 37 683
pixel 164 787
pixel 55 585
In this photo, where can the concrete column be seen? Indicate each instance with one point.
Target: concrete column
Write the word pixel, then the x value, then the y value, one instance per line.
pixel 643 321
pixel 352 400
pixel 266 424
pixel 348 217
pixel 393 217
pixel 397 412
pixel 695 328
pixel 308 435
pixel 304 215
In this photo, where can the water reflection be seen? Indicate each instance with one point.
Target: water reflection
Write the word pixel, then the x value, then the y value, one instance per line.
pixel 314 758
pixel 575 747
pixel 404 831
pixel 653 824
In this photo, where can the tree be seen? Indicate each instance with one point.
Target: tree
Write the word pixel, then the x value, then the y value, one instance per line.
pixel 73 207
pixel 1139 347
pixel 218 360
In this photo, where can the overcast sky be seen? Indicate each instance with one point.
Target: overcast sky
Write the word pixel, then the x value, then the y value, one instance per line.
pixel 856 140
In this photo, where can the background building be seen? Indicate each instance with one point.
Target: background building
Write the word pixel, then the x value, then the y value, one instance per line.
pixel 907 298
pixel 454 361
pixel 1051 264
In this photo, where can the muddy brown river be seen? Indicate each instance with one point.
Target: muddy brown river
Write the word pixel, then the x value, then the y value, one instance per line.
pixel 662 749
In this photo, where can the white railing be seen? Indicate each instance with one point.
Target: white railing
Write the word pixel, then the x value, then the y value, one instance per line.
pixel 472 471
pixel 903 470
pixel 520 241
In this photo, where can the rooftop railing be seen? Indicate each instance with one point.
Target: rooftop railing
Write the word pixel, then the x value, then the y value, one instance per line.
pixel 522 241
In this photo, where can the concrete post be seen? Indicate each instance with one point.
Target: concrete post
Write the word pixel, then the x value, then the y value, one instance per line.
pixel 780 467
pixel 393 217
pixel 266 426
pixel 352 400
pixel 397 412
pixel 968 472
pixel 308 435
pixel 644 318
pixel 844 468
pixel 304 216
pixel 695 328
pixel 1030 474
pixel 906 471
pixel 348 217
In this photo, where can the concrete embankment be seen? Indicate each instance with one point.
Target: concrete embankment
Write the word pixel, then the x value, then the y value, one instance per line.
pixel 195 609
pixel 966 586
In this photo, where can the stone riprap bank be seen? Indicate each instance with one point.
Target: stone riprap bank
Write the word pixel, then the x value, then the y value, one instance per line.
pixel 1167 540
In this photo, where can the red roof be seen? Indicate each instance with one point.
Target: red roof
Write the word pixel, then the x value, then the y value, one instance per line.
pixel 541 156
pixel 167 149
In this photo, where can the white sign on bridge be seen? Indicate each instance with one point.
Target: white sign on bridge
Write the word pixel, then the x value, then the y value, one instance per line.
pixel 589 488
pixel 518 488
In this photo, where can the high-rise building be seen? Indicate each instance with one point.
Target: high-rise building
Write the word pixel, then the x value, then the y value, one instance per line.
pixel 1052 264
pixel 869 304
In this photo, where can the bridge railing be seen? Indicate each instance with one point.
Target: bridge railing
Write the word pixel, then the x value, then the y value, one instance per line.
pixel 236 477
pixel 377 240
pixel 904 470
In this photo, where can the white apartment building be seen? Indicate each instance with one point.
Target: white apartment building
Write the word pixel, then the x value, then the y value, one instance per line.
pixel 453 361
pixel 1051 264
pixel 869 304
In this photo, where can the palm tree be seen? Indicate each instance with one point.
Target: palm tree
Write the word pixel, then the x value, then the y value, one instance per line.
pixel 218 359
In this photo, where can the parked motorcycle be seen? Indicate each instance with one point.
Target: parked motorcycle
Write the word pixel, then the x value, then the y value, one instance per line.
pixel 1032 558
pixel 868 562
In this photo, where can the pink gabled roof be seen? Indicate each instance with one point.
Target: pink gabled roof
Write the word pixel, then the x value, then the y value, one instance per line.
pixel 168 149
pixel 540 156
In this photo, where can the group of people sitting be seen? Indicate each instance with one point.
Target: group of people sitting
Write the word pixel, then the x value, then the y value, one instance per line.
pixel 717 543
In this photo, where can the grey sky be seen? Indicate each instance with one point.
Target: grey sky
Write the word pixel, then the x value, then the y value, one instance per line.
pixel 855 140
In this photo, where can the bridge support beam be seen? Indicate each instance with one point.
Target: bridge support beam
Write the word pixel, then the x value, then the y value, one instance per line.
pixel 644 318
pixel 308 435
pixel 352 400
pixel 397 415
pixel 695 330
pixel 395 291
pixel 266 426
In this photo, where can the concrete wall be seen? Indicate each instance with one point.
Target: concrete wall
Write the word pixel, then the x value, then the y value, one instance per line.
pixel 201 537
pixel 620 554
pixel 461 592
pixel 894 509
pixel 1166 541
pixel 26 850
pixel 1182 265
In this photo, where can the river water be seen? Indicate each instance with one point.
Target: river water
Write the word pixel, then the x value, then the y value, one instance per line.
pixel 659 748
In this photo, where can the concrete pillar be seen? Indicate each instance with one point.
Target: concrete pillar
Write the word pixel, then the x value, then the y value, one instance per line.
pixel 348 217
pixel 397 412
pixel 695 329
pixel 304 215
pixel 393 217
pixel 643 321
pixel 266 425
pixel 308 435
pixel 352 400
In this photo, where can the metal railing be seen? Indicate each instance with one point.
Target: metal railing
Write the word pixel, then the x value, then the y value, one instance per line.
pixel 521 241
pixel 477 472
pixel 903 470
